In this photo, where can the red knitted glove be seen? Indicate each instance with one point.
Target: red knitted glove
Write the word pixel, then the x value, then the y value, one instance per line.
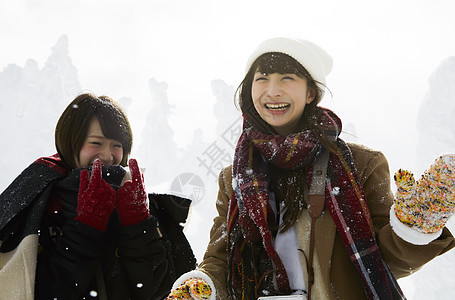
pixel 96 199
pixel 132 200
pixel 192 289
pixel 427 204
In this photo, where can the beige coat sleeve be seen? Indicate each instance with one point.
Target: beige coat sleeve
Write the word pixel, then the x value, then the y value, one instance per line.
pixel 214 262
pixel 402 257
pixel 17 270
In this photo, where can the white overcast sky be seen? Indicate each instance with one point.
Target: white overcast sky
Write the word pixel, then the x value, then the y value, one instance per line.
pixel 384 52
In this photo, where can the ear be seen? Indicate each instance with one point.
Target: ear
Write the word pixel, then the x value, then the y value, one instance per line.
pixel 311 94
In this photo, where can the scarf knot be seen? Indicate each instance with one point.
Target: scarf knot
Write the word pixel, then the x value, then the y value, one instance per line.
pixel 297 149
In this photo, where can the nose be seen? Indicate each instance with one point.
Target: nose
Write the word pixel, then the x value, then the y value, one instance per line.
pixel 106 156
pixel 274 88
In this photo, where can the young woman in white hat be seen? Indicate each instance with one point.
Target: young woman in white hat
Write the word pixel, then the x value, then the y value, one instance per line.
pixel 303 214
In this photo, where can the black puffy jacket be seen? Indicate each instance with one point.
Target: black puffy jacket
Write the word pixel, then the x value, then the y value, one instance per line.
pixel 76 261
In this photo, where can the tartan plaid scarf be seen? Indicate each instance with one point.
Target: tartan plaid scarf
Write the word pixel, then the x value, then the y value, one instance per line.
pixel 254 266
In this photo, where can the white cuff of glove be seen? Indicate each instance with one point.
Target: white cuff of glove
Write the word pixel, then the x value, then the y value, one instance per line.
pixel 196 274
pixel 408 234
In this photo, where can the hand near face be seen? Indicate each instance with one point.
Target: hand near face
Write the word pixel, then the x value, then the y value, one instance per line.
pixel 96 198
pixel 132 200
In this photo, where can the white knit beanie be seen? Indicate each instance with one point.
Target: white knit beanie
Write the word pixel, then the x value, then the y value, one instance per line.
pixel 315 60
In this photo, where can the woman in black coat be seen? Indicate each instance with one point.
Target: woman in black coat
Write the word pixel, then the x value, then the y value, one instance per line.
pixel 99 234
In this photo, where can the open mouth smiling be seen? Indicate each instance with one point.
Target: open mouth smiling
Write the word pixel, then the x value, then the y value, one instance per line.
pixel 278 106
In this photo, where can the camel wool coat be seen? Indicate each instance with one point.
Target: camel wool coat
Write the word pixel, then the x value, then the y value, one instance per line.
pixel 335 274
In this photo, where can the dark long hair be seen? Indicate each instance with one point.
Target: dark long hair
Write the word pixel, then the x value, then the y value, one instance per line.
pixel 276 62
pixel 73 125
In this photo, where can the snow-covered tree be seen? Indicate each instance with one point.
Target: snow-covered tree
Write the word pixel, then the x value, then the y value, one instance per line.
pixel 435 121
pixel 158 151
pixel 31 101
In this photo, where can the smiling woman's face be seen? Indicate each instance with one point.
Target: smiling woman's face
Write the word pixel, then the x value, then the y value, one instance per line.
pixel 96 145
pixel 280 99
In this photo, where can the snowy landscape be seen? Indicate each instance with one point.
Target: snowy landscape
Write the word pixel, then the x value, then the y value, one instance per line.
pixel 174 67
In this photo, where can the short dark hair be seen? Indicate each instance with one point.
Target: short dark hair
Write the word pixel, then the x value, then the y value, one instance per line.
pixel 73 125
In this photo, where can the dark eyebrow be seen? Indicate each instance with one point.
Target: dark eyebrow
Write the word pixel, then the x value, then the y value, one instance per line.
pixel 96 136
